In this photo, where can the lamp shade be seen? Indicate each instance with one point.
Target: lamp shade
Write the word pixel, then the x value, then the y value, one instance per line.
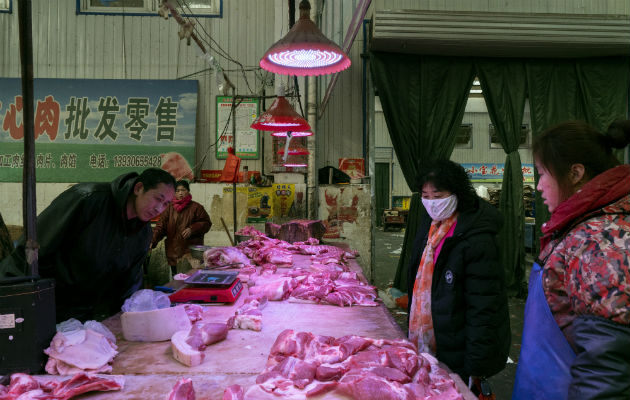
pixel 280 117
pixel 304 50
pixel 295 150
pixel 295 161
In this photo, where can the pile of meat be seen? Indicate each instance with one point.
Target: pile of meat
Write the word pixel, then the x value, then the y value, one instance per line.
pixel 263 251
pixel 326 287
pixel 304 365
pixel 26 387
pixel 77 347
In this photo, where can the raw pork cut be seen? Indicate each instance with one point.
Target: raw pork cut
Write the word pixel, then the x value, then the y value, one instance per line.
pixel 303 365
pixel 183 390
pixel 93 354
pixel 225 256
pixel 233 392
pixel 183 352
pixel 249 315
pixel 25 387
pixel 202 335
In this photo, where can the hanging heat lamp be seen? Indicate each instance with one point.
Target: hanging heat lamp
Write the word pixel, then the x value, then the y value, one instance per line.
pixel 295 161
pixel 294 150
pixel 304 50
pixel 288 150
pixel 280 117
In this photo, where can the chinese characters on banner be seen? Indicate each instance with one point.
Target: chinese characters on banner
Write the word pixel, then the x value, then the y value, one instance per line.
pixel 246 143
pixel 95 130
pixel 494 172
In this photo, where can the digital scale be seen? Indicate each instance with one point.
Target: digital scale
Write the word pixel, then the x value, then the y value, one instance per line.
pixel 207 286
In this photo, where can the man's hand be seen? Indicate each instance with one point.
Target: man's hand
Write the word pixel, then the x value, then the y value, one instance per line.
pixel 186 233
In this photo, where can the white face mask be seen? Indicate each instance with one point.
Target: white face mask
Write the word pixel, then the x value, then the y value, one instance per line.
pixel 440 209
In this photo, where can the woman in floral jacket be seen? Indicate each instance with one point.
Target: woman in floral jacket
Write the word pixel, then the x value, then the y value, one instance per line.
pixel 576 336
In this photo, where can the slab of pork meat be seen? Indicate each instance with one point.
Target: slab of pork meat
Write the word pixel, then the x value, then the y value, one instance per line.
pixel 183 390
pixel 202 335
pixel 233 392
pixel 24 386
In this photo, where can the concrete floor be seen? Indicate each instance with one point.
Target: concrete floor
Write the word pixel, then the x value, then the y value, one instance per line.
pixel 389 245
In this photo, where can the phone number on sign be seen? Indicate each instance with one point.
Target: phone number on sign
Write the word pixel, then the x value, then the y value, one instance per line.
pixel 141 160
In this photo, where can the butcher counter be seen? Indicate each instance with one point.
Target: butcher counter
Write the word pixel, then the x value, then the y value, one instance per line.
pixel 151 371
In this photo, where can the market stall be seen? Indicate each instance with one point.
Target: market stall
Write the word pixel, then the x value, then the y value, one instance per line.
pixel 150 370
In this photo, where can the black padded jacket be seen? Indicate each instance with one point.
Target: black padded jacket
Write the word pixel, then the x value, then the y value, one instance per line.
pixel 468 295
pixel 87 244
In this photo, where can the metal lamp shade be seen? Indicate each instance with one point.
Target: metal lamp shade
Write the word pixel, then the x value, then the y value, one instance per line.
pixel 296 161
pixel 304 50
pixel 280 117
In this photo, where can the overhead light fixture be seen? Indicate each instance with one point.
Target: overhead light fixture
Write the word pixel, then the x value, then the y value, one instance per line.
pixel 280 117
pixel 304 50
pixel 295 150
pixel 295 161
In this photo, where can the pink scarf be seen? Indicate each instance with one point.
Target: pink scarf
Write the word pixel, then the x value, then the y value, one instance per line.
pixel 179 205
pixel 420 320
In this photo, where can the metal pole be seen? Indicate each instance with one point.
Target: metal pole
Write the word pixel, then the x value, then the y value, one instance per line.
pixel 234 146
pixel 29 209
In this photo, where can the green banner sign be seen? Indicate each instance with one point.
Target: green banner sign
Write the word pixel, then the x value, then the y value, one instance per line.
pixel 94 130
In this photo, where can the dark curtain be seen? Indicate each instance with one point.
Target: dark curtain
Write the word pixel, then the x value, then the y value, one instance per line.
pixel 423 99
pixel 592 89
pixel 504 87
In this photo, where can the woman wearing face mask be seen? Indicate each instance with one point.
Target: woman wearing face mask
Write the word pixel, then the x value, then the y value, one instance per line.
pixel 458 308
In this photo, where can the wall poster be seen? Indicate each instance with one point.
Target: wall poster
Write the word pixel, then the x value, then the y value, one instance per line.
pixel 96 129
pixel 247 143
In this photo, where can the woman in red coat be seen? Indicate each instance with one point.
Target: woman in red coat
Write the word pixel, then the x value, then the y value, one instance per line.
pixel 183 223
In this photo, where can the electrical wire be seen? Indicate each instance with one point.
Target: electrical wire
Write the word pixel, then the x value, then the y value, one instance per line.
pixel 184 5
pixel 232 112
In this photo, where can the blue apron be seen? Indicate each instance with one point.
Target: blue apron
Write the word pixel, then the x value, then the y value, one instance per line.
pixel 543 371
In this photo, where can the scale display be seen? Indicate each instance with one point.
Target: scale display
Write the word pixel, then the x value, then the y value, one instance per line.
pixel 212 278
pixel 209 287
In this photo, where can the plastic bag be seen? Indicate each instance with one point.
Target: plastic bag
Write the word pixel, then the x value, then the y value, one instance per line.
pixel 146 300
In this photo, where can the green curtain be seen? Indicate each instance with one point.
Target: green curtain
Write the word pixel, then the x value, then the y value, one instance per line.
pixel 423 99
pixel 504 87
pixel 591 89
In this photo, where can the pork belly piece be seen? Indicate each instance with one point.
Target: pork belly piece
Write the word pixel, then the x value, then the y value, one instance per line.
pixel 183 352
pixel 183 390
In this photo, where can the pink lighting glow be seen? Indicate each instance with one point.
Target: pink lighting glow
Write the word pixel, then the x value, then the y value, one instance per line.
pixel 280 116
pixel 293 133
pixel 304 50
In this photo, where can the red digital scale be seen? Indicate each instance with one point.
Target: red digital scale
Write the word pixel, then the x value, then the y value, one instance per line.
pixel 206 286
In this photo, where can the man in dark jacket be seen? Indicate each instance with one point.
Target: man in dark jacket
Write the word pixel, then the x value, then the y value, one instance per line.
pixel 93 239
